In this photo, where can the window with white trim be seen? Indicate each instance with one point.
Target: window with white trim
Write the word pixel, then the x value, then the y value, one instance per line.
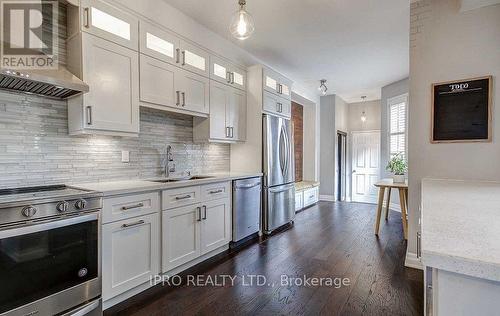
pixel 397 108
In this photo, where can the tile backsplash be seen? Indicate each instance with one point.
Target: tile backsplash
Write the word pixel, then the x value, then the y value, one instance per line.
pixel 35 147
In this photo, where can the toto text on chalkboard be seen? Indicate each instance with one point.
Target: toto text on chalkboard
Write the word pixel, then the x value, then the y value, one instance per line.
pixel 461 111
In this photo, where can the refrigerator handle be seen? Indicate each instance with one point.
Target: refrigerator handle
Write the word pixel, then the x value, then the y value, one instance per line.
pixel 282 149
pixel 287 152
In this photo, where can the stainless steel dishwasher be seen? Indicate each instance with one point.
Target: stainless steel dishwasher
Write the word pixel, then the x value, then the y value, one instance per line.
pixel 246 207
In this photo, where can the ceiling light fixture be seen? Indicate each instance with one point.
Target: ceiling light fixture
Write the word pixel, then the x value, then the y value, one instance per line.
pixel 322 87
pixel 242 22
pixel 363 115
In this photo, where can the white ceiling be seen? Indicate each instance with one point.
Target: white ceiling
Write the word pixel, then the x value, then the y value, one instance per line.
pixel 357 45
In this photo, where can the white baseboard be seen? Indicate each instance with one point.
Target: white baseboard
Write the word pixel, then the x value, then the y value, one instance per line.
pixel 328 198
pixel 412 261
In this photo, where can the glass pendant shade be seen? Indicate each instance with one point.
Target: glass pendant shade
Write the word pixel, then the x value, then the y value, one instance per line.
pixel 242 25
pixel 363 117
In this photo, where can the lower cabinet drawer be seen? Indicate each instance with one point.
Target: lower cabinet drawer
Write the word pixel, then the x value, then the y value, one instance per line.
pixel 299 200
pixel 310 196
pixel 130 253
pixel 127 206
pixel 180 197
pixel 214 191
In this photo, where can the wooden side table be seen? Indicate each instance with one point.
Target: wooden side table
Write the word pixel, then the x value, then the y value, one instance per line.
pixel 403 200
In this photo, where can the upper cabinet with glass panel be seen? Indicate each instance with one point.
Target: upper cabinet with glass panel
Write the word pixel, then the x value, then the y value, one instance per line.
pixel 276 83
pixel 225 72
pixel 158 43
pixel 193 58
pixel 110 23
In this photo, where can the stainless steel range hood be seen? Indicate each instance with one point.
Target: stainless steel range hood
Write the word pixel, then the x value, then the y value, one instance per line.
pixel 56 84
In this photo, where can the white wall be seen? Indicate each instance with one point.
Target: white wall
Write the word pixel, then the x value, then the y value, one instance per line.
pixel 372 112
pixel 449 45
pixel 327 146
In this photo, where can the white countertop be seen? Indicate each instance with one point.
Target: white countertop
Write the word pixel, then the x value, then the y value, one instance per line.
pixel 134 186
pixel 461 227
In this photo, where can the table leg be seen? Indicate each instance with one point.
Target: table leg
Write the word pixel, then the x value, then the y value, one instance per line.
pixel 379 208
pixel 402 200
pixel 388 203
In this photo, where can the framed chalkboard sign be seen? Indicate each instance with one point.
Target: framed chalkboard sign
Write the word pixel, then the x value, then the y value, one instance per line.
pixel 461 111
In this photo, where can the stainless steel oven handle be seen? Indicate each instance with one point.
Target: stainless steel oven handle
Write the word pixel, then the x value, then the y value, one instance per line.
pixel 84 310
pixel 36 227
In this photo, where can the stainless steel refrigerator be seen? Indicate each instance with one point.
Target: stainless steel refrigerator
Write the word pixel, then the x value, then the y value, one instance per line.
pixel 279 173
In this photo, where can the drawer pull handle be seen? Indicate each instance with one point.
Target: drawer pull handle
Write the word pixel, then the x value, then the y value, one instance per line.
pixel 183 197
pixel 86 18
pixel 216 191
pixel 133 224
pixel 198 209
pixel 129 207
pixel 311 196
pixel 204 212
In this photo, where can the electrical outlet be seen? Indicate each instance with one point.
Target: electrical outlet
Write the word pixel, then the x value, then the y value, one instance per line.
pixel 125 156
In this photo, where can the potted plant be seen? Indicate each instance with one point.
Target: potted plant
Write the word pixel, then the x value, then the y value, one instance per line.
pixel 397 165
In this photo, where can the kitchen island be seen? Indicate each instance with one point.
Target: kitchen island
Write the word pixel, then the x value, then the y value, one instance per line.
pixel 460 246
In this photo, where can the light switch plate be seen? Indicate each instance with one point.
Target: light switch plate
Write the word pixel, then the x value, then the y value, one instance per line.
pixel 125 156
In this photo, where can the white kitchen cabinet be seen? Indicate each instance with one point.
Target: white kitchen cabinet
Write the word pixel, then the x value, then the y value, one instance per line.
pixel 277 105
pixel 158 43
pixel 193 230
pixel 227 120
pixel 215 224
pixel 130 254
pixel 180 236
pixel 163 84
pixel 194 58
pixel 299 200
pixel 112 72
pixel 311 196
pixel 225 72
pixel 276 83
pixel 109 22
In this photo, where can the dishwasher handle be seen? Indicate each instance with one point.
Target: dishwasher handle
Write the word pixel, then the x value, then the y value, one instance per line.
pixel 246 186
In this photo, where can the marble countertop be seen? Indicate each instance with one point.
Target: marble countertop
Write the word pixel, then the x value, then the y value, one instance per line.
pixel 302 185
pixel 135 186
pixel 460 226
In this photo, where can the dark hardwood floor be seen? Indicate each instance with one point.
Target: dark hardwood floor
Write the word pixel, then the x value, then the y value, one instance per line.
pixel 327 240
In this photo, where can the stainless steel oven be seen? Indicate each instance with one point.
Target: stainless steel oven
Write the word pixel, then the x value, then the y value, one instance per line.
pixel 50 258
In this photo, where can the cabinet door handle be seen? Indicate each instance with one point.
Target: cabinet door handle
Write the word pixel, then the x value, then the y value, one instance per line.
pixel 232 131
pixel 133 224
pixel 178 98
pixel 177 53
pixel 204 212
pixel 232 77
pixel 89 115
pixel 198 209
pixel 86 18
pixel 419 244
pixel 183 58
pixel 227 132
pixel 183 99
pixel 216 191
pixel 187 196
pixel 129 207
pixel 228 76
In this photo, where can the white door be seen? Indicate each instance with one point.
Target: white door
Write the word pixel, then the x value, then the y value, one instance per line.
pixel 219 102
pixel 215 225
pixel 157 82
pixel 236 114
pixel 112 73
pixel 130 253
pixel 108 22
pixel 180 236
pixel 365 166
pixel 194 92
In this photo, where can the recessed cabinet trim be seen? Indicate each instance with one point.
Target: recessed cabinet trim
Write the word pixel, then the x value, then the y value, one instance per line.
pixel 109 22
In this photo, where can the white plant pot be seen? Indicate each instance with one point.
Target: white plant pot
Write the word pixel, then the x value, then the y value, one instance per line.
pixel 398 178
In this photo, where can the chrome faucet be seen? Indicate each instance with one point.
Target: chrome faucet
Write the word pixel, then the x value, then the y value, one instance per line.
pixel 169 159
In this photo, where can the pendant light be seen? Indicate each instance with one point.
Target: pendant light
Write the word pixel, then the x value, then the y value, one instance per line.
pixel 322 87
pixel 363 115
pixel 242 22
